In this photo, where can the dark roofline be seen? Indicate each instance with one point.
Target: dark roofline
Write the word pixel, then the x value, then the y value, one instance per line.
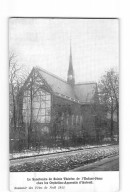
pixel 73 100
pixel 86 83
pixel 37 67
pixel 67 97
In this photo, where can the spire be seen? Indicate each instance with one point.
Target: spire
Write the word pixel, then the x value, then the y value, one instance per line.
pixel 70 78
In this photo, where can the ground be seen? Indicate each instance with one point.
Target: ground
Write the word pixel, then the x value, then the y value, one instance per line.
pixel 66 161
pixel 107 164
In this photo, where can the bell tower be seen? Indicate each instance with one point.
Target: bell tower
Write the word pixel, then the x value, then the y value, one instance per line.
pixel 70 77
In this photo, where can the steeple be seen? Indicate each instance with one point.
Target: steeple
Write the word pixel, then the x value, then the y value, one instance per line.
pixel 70 77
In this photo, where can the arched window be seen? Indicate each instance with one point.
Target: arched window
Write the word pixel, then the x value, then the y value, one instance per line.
pixel 77 119
pixel 62 119
pixel 81 119
pixel 72 120
pixel 67 119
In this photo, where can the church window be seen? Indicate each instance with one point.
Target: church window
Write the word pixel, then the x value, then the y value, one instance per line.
pixel 62 119
pixel 72 120
pixel 37 105
pixel 81 119
pixel 77 118
pixel 67 120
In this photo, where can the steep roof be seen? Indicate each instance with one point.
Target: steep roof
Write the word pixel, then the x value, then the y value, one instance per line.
pixel 58 85
pixel 82 93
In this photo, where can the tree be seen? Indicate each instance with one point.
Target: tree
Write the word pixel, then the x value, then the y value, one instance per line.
pixel 36 108
pixel 109 94
pixel 17 76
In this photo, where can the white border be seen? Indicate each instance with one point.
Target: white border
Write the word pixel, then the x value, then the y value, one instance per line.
pixel 101 181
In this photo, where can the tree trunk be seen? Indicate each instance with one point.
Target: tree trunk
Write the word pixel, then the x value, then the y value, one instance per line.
pixel 14 110
pixel 112 121
pixel 31 115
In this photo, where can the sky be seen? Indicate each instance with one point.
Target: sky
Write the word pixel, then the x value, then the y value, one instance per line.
pixel 46 43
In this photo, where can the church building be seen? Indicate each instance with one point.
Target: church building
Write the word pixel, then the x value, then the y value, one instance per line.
pixel 56 111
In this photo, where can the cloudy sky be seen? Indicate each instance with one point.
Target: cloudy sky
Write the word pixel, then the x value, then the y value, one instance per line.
pixel 46 43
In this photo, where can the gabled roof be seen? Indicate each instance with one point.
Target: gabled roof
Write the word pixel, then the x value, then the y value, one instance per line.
pixel 81 93
pixel 58 85
pixel 85 92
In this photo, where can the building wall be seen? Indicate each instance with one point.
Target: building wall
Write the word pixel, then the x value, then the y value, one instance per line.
pixel 68 115
pixel 89 123
pixel 81 118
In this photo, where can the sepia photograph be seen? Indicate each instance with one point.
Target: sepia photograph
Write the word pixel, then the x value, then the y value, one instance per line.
pixel 63 94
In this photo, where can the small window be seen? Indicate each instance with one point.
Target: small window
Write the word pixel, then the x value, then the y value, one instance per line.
pixel 45 130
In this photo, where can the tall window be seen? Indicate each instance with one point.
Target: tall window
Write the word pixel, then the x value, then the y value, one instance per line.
pixel 81 119
pixel 77 120
pixel 72 120
pixel 37 106
pixel 67 119
pixel 62 119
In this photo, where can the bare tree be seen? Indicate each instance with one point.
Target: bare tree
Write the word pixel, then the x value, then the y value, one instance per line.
pixel 17 76
pixel 13 79
pixel 109 94
pixel 36 112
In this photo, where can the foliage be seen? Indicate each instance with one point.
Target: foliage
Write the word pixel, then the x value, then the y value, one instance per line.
pixel 67 161
pixel 109 94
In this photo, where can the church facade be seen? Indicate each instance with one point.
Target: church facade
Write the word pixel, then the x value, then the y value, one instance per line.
pixel 58 112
